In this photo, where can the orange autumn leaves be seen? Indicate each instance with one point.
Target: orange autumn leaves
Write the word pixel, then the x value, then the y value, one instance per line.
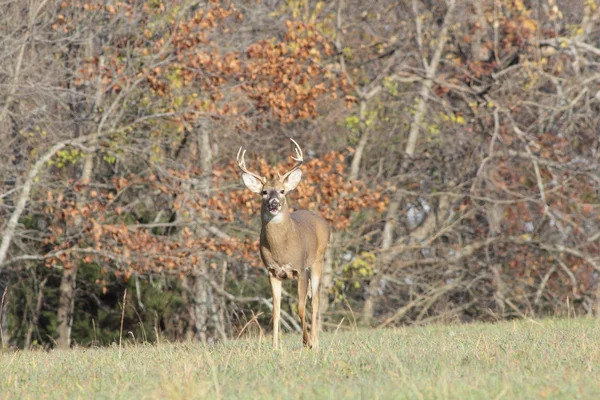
pixel 190 73
pixel 105 229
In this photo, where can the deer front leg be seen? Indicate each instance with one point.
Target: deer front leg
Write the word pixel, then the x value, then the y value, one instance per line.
pixel 276 290
pixel 302 293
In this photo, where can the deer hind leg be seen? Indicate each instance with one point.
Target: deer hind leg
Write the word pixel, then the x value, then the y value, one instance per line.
pixel 276 290
pixel 302 293
pixel 315 283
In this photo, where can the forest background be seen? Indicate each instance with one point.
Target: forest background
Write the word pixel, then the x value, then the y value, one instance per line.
pixel 452 145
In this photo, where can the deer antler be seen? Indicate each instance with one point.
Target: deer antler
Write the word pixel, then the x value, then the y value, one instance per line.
pixel 242 164
pixel 298 160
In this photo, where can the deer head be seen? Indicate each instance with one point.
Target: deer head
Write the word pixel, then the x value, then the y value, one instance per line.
pixel 274 190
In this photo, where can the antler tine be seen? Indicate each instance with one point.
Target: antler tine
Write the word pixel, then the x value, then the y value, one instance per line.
pixel 298 152
pixel 242 164
pixel 298 159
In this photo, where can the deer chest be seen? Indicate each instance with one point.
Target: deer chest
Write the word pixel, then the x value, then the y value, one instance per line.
pixel 281 266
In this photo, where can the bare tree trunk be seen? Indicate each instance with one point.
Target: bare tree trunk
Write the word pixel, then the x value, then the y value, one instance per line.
pixel 411 145
pixel 66 299
pixel 386 242
pixel 430 71
pixel 201 287
pixel 66 296
pixel 327 278
pixel 362 142
pixel 197 287
pixel 4 326
pixel 36 313
pixel 205 150
pixel 187 285
pixel 199 297
pixel 4 332
pixel 478 20
pixel 66 302
pixel 213 310
pixel 11 226
pixel 364 95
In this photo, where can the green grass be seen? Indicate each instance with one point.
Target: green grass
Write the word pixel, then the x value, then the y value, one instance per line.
pixel 523 359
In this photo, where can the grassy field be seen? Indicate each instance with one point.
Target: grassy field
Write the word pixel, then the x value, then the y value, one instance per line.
pixel 523 359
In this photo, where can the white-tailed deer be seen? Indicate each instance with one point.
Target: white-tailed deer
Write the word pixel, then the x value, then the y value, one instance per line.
pixel 292 245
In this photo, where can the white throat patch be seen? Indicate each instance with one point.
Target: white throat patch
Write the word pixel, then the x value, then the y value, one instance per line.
pixel 275 219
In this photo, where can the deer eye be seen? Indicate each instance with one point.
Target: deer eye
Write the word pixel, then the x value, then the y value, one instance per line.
pixel 264 192
pixel 282 191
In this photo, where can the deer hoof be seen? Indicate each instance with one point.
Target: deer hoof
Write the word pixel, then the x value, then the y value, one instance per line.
pixel 306 342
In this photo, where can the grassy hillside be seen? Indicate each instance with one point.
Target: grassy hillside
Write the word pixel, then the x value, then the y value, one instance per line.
pixel 524 359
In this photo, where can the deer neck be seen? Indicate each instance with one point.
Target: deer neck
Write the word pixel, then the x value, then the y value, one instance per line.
pixel 276 228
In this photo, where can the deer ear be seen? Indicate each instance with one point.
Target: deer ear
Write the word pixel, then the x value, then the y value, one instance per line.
pixel 292 180
pixel 252 183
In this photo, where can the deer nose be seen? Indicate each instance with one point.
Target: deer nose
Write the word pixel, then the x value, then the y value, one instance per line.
pixel 274 202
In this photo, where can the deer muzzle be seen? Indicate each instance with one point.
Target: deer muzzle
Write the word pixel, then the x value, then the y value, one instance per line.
pixel 274 206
